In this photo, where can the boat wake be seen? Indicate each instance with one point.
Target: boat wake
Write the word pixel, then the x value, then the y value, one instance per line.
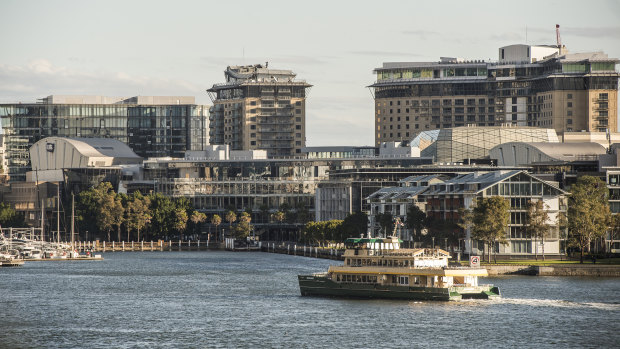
pixel 558 303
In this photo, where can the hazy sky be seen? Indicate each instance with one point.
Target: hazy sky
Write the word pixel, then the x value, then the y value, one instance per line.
pixel 128 48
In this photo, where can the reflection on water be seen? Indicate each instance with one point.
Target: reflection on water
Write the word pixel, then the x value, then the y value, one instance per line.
pixel 221 299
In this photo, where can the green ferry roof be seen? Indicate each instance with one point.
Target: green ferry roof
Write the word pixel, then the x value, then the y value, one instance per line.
pixel 367 240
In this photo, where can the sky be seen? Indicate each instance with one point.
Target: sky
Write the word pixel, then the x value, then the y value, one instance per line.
pixel 129 48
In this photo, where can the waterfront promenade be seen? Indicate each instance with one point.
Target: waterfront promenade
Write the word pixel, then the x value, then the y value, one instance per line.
pixel 540 268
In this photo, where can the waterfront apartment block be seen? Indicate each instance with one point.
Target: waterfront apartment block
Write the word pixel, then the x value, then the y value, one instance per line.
pixel 541 86
pixel 442 198
pixel 152 126
pixel 259 108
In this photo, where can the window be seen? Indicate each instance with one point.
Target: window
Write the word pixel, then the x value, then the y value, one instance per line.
pixel 569 96
pixel 253 127
pixel 253 143
pixel 298 127
pixel 253 135
pixel 514 100
pixel 297 111
pixel 253 103
pixel 298 103
pixel 569 121
pixel 570 104
pixel 514 108
pixel 569 113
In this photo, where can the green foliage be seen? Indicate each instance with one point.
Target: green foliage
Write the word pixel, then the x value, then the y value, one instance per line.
pixel 319 232
pixel 588 212
pixel 537 225
pixel 444 231
pixel 416 221
pixel 230 217
pixel 489 219
pixel 138 214
pixel 355 224
pixel 9 217
pixel 279 216
pixel 386 223
pixel 243 228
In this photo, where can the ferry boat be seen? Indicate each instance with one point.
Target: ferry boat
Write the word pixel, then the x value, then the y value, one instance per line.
pixel 379 268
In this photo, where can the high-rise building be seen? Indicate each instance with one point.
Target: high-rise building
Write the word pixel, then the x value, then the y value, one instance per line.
pixel 259 108
pixel 151 126
pixel 542 86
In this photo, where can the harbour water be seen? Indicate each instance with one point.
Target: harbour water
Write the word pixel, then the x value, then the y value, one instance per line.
pixel 223 299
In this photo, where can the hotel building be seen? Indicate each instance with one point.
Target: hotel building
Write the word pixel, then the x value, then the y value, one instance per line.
pixel 259 108
pixel 540 86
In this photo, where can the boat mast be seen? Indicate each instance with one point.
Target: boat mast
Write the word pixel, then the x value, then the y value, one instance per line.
pixel 58 214
pixel 42 220
pixel 72 221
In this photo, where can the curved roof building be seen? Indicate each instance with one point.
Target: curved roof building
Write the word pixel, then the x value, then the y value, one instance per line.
pixel 56 153
pixel 527 153
pixel 472 142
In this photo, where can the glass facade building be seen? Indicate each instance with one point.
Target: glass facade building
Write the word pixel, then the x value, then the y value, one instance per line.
pixel 150 126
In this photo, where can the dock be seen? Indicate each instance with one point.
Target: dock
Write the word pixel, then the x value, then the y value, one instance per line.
pixel 11 262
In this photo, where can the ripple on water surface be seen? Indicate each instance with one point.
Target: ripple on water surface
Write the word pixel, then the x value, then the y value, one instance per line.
pixel 221 299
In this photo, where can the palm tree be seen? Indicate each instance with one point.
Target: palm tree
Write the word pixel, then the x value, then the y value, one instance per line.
pixel 231 217
pixel 197 217
pixel 216 220
pixel 279 217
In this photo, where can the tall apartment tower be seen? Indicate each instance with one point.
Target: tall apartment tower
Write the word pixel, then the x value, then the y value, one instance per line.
pixel 541 86
pixel 259 108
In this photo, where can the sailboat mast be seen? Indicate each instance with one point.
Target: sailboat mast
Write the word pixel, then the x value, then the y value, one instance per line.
pixel 58 214
pixel 72 221
pixel 42 220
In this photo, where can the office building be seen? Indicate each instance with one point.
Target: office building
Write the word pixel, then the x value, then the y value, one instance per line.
pixel 150 126
pixel 540 86
pixel 259 108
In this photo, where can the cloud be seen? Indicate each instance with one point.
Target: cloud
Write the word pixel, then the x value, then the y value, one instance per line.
pixel 275 61
pixel 380 53
pixel 507 37
pixel 586 32
pixel 421 34
pixel 40 78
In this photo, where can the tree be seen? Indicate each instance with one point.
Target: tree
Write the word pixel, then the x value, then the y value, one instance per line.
pixel 88 206
pixel 355 224
pixel 111 214
pixel 614 229
pixel 445 231
pixel 138 214
pixel 386 223
pixel 588 212
pixel 279 217
pixel 216 220
pixel 197 218
pixel 163 212
pixel 537 225
pixel 416 220
pixel 10 217
pixel 489 220
pixel 230 217
pixel 243 228
pixel 180 221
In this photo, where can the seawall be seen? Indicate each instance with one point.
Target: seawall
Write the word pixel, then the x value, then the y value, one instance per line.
pixel 556 270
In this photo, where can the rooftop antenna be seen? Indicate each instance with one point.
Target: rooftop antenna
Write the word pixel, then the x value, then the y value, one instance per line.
pixel 526 34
